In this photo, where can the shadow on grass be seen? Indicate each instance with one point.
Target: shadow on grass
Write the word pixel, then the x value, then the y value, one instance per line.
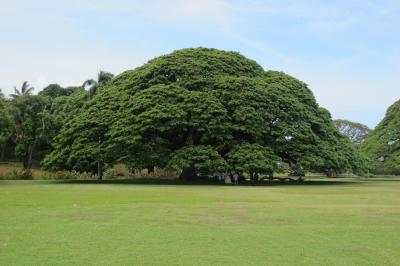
pixel 176 182
pixel 382 179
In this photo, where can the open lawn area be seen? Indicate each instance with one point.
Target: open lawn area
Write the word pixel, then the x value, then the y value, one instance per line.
pixel 320 222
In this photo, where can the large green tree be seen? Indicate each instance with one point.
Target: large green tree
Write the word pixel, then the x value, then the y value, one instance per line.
pixel 382 146
pixel 199 110
pixel 356 132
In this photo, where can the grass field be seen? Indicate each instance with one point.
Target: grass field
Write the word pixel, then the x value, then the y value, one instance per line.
pixel 320 222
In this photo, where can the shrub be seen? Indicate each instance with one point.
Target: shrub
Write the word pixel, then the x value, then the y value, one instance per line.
pixel 297 170
pixel 69 175
pixel 110 174
pixel 21 175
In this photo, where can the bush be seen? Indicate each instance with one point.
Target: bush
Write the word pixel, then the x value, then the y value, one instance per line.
pixel 282 168
pixel 110 174
pixel 69 175
pixel 385 171
pixel 157 174
pixel 297 170
pixel 21 175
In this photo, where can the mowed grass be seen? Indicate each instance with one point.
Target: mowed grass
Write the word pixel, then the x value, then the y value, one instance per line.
pixel 321 222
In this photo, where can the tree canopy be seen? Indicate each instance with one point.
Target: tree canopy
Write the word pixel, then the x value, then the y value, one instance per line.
pixel 29 125
pixel 200 111
pixel 382 146
pixel 356 132
pixel 54 90
pixel 103 78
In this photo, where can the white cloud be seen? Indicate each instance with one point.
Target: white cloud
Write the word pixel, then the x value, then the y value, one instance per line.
pixel 69 68
pixel 44 42
pixel 48 41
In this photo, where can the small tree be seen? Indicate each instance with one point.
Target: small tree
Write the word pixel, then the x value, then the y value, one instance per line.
pixel 252 158
pixel 196 161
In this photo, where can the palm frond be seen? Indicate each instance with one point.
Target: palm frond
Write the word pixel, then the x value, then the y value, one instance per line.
pixel 26 89
pixel 89 82
pixel 103 77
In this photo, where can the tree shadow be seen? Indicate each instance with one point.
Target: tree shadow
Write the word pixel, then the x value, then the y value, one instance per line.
pixel 176 182
pixel 382 179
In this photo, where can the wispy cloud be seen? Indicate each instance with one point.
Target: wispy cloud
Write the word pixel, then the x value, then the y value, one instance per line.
pixel 348 51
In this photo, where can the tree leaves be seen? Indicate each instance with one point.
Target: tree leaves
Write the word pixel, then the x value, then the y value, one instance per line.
pixel 254 158
pixel 203 109
pixel 382 146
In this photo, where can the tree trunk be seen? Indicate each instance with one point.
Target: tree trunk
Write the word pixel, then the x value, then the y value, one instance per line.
pixel 3 152
pixel 28 157
pixel 99 163
pixel 331 173
pixel 251 174
pixel 271 175
pixel 99 170
pixel 150 169
pixel 188 174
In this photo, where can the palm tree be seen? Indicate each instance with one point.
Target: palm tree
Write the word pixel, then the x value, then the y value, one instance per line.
pixel 103 78
pixel 26 89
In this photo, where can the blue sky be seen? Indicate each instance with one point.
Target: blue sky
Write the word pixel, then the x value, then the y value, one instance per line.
pixel 348 52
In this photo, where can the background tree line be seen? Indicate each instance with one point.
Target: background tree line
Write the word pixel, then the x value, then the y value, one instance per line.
pixel 29 123
pixel 202 111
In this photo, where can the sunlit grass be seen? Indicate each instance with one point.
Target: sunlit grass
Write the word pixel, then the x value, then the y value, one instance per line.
pixel 322 222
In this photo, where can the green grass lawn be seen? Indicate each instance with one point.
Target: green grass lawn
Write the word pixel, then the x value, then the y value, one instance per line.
pixel 321 222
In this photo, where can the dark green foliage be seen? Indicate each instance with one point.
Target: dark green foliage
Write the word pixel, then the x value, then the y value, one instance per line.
pixel 382 146
pixel 103 78
pixel 252 158
pixel 297 170
pixel 81 143
pixel 200 110
pixel 63 108
pixel 26 89
pixel 29 124
pixel 59 111
pixel 197 160
pixel 55 90
pixel 331 152
pixel 6 126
